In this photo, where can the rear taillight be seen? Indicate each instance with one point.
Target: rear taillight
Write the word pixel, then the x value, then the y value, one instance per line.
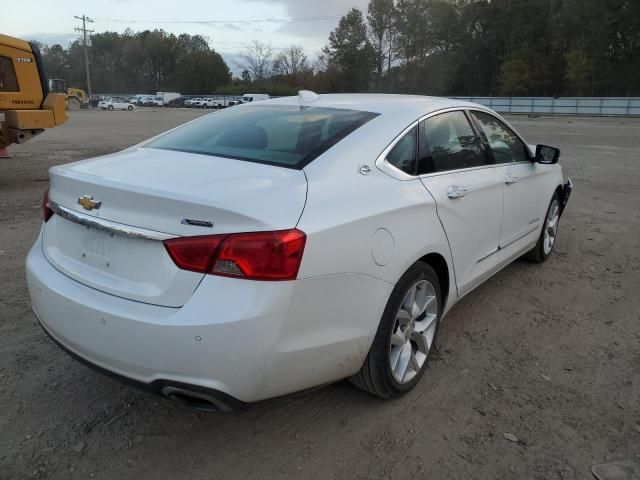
pixel 255 256
pixel 46 209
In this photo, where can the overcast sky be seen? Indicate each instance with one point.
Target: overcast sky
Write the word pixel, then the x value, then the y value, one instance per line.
pixel 229 25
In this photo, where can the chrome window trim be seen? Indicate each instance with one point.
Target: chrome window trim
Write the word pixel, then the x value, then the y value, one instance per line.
pixel 107 225
pixel 383 165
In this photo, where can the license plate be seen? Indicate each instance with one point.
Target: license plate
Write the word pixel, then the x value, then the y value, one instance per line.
pixel 99 248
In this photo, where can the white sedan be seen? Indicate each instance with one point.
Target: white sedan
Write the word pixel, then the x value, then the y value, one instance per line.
pixel 115 104
pixel 283 245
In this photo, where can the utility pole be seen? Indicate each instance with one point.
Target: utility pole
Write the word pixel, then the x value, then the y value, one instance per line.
pixel 84 31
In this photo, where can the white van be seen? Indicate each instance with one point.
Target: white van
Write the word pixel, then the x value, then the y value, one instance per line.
pixel 166 97
pixel 254 97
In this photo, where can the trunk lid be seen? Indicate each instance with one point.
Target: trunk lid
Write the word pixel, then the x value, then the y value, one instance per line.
pixel 160 191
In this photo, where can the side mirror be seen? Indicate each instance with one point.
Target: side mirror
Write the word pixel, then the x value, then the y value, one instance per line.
pixel 547 155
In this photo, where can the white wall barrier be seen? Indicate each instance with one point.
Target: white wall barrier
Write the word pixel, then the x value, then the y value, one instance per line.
pixel 624 106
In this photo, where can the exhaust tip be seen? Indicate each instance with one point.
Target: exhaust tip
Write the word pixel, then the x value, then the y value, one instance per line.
pixel 195 400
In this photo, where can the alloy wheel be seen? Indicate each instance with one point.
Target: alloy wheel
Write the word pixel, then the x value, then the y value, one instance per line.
pixel 551 226
pixel 413 331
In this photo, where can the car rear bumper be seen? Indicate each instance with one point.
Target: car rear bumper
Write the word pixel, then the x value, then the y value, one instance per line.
pixel 234 339
pixel 215 400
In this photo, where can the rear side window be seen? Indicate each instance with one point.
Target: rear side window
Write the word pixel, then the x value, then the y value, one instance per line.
pixel 283 135
pixel 447 142
pixel 8 80
pixel 403 154
pixel 505 145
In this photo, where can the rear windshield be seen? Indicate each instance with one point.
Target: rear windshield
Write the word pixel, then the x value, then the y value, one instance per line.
pixel 284 135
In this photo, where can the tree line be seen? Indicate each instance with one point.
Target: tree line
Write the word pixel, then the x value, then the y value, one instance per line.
pixel 147 61
pixel 436 47
pixel 482 47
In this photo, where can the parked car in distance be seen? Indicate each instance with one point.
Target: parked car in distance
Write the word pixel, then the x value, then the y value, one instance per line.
pixel 177 102
pixel 115 104
pixel 254 97
pixel 212 103
pixel 206 102
pixel 191 101
pixel 276 248
pixel 201 103
pixel 140 99
pixel 153 101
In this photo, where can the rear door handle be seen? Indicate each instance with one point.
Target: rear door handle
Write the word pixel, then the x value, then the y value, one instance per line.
pixel 509 179
pixel 455 191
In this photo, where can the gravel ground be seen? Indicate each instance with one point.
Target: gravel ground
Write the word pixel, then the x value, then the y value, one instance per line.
pixel 537 373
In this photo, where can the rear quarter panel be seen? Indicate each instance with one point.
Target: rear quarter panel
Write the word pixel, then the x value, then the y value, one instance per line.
pixel 345 209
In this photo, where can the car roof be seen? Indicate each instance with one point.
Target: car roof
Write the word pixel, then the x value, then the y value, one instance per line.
pixel 382 103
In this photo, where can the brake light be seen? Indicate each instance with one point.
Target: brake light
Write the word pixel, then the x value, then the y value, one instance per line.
pixel 46 209
pixel 255 256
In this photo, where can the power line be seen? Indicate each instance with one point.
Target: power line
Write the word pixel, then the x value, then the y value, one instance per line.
pixel 318 18
pixel 84 31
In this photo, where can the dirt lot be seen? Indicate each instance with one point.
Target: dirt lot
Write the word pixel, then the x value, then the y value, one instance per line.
pixel 548 353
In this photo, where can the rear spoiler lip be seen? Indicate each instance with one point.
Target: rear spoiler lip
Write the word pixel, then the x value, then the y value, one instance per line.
pixel 44 82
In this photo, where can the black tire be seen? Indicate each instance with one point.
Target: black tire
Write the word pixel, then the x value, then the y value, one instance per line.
pixel 130 108
pixel 538 254
pixel 376 375
pixel 110 107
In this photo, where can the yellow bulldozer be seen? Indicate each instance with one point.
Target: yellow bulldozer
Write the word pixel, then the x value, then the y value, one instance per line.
pixel 76 98
pixel 27 106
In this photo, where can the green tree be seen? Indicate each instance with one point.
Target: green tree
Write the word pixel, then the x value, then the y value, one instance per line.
pixel 246 77
pixel 515 76
pixel 56 62
pixel 579 71
pixel 198 68
pixel 380 19
pixel 414 41
pixel 349 53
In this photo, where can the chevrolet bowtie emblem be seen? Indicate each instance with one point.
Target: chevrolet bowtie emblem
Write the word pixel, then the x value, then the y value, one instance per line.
pixel 88 203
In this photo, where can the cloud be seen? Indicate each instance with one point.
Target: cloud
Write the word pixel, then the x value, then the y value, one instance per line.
pixel 316 8
pixel 63 39
pixel 233 61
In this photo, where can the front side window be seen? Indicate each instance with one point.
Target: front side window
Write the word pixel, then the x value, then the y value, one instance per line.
pixel 403 154
pixel 505 145
pixel 8 80
pixel 283 135
pixel 447 142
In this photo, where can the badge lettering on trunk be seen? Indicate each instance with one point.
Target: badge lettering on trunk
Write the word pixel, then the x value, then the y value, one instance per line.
pixel 88 203
pixel 197 223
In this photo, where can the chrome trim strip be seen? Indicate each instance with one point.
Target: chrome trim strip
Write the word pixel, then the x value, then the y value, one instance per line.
pixel 506 244
pixel 393 171
pixel 107 225
pixel 484 257
pixel 518 237
pixel 513 130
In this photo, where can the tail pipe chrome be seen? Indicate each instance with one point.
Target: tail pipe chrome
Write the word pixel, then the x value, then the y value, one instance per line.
pixel 202 401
